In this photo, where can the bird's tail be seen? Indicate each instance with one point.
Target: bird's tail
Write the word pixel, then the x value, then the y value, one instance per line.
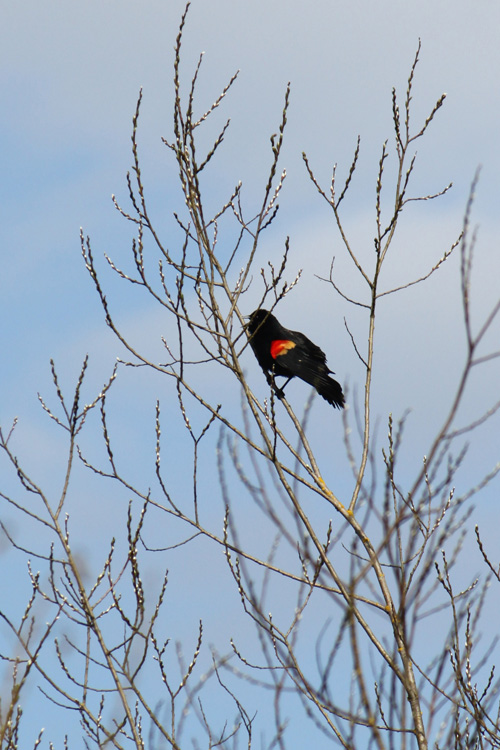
pixel 331 391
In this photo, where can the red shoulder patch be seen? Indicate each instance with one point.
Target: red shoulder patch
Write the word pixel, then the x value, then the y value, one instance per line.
pixel 281 346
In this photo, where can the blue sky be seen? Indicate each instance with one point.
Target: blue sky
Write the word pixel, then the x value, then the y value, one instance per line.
pixel 70 75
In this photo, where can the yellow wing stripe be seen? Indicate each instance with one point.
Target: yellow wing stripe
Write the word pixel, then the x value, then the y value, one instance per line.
pixel 280 347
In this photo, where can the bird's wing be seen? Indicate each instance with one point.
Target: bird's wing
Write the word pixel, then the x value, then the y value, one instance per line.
pixel 314 352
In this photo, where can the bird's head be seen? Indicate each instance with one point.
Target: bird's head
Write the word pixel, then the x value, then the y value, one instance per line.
pixel 256 319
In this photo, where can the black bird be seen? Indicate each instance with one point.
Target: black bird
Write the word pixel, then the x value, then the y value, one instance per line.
pixel 290 353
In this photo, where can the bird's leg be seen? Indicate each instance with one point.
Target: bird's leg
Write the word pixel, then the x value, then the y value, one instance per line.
pixel 280 392
pixel 272 382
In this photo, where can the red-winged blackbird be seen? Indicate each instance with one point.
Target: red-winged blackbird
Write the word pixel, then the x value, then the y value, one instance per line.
pixel 290 353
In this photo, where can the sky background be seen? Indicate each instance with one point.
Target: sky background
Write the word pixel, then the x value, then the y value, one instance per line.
pixel 70 74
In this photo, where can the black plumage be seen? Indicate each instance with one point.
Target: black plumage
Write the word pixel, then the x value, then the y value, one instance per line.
pixel 280 351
